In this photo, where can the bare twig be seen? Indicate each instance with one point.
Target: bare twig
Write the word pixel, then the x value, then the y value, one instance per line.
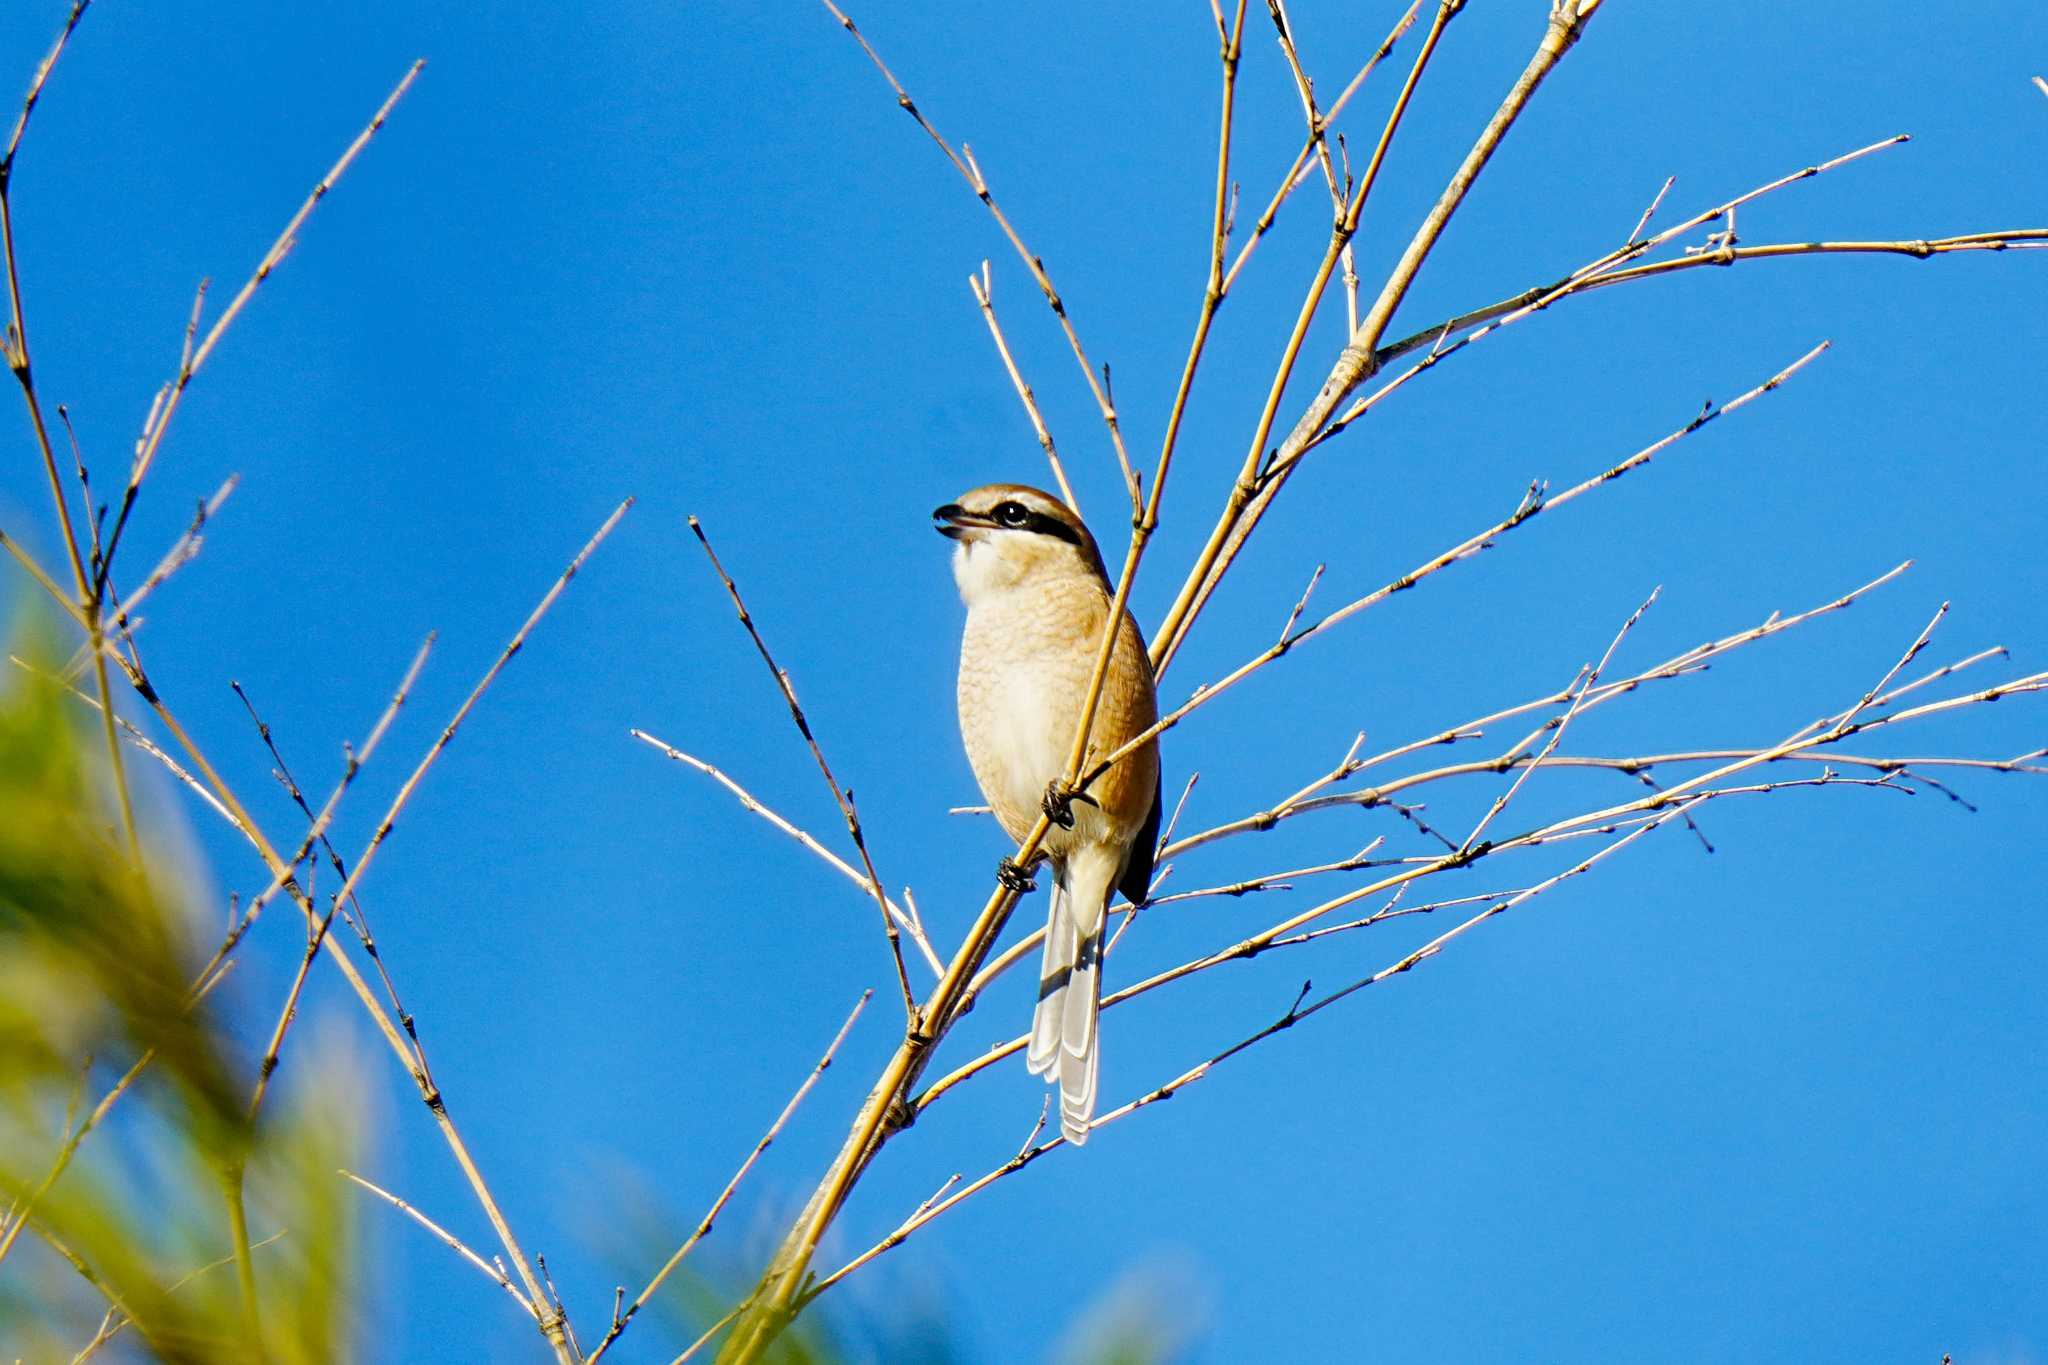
pixel 1272 881
pixel 1656 201
pixel 41 576
pixel 552 1322
pixel 984 295
pixel 317 830
pixel 1173 821
pixel 963 162
pixel 35 88
pixel 476 693
pixel 1612 268
pixel 1870 698
pixel 749 801
pixel 491 1272
pixel 182 552
pixel 619 1321
pixel 1557 729
pixel 192 359
pixel 1808 743
pixel 842 796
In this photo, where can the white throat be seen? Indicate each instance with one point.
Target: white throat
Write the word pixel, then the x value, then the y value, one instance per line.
pixel 982 571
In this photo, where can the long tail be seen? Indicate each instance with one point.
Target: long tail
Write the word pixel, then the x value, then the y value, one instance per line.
pixel 1063 1034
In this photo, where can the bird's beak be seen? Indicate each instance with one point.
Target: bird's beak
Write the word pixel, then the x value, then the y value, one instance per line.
pixel 954 521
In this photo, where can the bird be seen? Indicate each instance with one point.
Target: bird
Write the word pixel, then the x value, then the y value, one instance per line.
pixel 1037 599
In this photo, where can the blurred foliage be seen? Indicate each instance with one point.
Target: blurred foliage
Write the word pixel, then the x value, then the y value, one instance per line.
pixel 97 961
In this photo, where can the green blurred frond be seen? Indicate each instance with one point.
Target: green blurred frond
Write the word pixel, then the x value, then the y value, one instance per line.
pixel 123 1247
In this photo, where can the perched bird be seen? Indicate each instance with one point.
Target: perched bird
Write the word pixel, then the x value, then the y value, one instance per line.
pixel 1037 599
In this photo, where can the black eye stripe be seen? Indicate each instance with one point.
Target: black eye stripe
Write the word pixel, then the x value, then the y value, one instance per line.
pixel 1052 526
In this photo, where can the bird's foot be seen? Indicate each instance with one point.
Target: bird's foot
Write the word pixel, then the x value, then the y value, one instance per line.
pixel 899 1115
pixel 1018 879
pixel 1059 804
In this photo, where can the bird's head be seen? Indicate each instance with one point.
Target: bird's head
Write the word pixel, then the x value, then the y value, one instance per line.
pixel 1008 535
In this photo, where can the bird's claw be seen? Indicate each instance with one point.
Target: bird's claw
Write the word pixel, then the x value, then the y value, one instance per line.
pixel 1014 877
pixel 899 1115
pixel 1059 804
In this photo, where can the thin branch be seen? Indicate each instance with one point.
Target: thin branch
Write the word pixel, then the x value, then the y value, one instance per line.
pixel 476 693
pixel 491 1272
pixel 42 577
pixel 235 1171
pixel 316 833
pixel 1301 603
pixel 316 829
pixel 1597 823
pixel 1557 729
pixel 552 1322
pixel 753 803
pixel 1272 881
pixel 1656 201
pixel 1826 731
pixel 619 1321
pixel 1173 821
pixel 182 552
pixel 1339 191
pixel 2007 239
pixel 1913 652
pixel 1213 291
pixel 963 162
pixel 1612 269
pixel 552 1325
pixel 1244 951
pixel 984 295
pixel 192 360
pixel 1641 764
pixel 842 796
pixel 35 89
pixel 16 345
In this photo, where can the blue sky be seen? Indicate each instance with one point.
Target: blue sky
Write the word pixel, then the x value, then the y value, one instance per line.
pixel 1784 1098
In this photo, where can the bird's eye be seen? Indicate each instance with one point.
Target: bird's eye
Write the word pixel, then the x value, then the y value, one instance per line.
pixel 1012 514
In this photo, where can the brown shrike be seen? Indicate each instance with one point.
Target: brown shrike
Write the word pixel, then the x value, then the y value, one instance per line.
pixel 1037 599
